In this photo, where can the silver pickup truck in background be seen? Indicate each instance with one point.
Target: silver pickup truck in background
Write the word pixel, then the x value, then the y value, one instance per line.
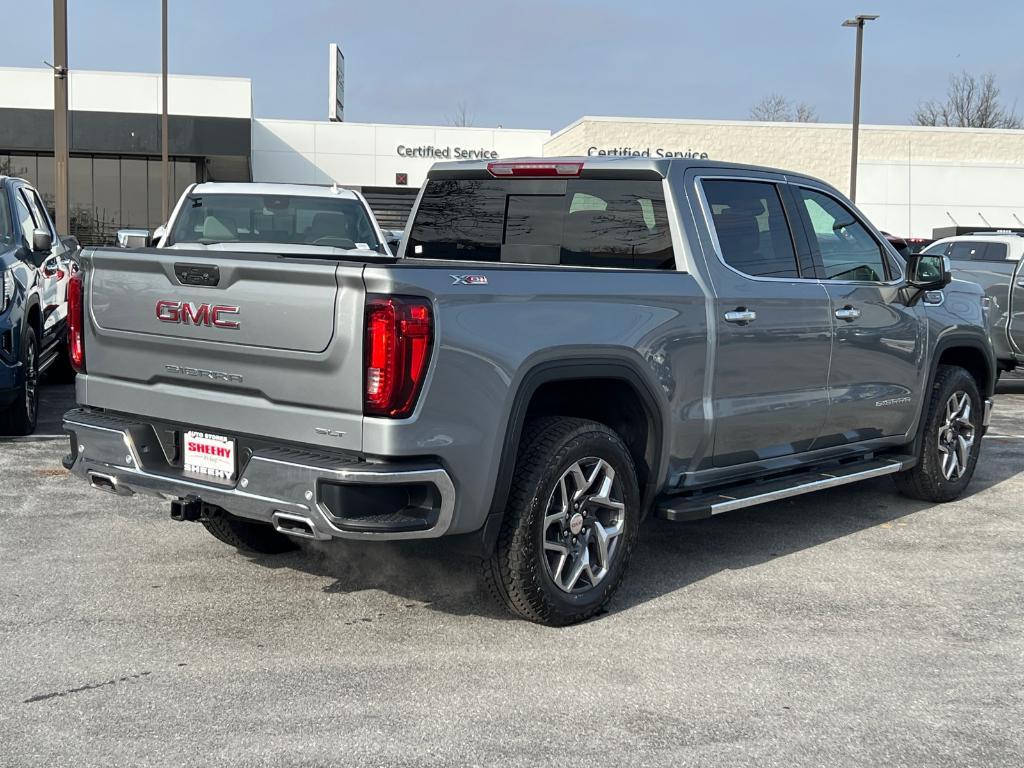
pixel 993 261
pixel 560 348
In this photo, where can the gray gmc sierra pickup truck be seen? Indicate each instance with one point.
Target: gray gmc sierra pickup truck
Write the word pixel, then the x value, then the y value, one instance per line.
pixel 560 348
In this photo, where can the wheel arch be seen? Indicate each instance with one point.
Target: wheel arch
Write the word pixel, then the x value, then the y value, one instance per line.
pixel 546 383
pixel 967 351
pixel 970 353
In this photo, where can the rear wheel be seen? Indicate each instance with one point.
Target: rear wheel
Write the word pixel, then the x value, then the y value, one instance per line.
pixel 19 418
pixel 248 535
pixel 952 439
pixel 571 522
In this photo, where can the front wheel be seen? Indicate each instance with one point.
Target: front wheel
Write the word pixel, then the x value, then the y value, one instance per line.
pixel 570 525
pixel 19 418
pixel 951 440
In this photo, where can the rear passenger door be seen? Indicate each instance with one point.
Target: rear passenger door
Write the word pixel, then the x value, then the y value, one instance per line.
pixel 878 352
pixel 773 332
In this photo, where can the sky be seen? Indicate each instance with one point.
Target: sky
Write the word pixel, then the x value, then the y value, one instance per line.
pixel 534 64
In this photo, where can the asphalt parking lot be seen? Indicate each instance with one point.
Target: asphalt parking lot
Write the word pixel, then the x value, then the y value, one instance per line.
pixel 848 628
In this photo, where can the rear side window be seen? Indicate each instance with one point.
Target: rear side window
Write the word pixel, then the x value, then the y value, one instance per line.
pixel 995 252
pixel 966 250
pixel 578 222
pixel 751 227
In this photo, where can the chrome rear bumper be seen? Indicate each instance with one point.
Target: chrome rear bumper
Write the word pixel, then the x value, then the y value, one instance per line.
pixel 276 484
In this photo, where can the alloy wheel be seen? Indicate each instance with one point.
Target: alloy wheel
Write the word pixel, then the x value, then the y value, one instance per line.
pixel 956 436
pixel 583 522
pixel 31 382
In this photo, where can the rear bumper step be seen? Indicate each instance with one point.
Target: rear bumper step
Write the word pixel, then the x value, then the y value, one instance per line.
pixel 305 494
pixel 697 507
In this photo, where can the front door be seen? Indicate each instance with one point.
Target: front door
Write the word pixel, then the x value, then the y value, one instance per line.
pixel 878 352
pixel 774 329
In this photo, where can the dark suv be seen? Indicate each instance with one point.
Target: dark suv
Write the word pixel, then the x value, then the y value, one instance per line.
pixel 35 266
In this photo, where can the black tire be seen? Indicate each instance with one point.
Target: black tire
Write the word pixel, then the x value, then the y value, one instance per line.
pixel 248 535
pixel 19 418
pixel 927 480
pixel 520 572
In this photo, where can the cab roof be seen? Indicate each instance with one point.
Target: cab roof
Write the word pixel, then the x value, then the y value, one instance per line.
pixel 267 188
pixel 601 164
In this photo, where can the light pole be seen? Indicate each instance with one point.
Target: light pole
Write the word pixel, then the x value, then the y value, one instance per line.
pixel 165 166
pixel 60 115
pixel 857 22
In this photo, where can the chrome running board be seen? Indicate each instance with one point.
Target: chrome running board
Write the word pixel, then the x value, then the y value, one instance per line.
pixel 696 507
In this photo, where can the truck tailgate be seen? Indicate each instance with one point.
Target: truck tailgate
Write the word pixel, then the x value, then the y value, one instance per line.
pixel 269 345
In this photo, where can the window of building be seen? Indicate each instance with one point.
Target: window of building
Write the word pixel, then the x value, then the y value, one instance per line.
pixel 848 250
pixel 579 222
pixel 134 209
pixel 751 227
pixel 106 193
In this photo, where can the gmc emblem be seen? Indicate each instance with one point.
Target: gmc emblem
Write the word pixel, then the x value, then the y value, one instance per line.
pixel 186 313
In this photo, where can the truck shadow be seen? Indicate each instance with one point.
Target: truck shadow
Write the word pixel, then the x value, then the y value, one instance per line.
pixel 669 556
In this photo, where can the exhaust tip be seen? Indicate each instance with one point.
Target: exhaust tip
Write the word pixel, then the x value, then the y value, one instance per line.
pixel 296 525
pixel 103 482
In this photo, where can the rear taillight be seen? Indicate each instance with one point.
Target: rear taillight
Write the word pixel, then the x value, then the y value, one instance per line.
pixel 399 334
pixel 76 323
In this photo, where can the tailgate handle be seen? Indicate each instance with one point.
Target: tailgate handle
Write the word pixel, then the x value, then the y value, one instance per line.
pixel 197 274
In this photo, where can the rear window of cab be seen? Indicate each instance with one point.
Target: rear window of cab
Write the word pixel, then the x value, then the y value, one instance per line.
pixel 575 222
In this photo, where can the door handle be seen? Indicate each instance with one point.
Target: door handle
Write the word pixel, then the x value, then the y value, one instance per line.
pixel 848 313
pixel 740 316
pixel 1020 283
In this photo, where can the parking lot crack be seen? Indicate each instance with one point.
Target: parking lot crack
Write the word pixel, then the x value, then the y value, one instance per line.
pixel 86 687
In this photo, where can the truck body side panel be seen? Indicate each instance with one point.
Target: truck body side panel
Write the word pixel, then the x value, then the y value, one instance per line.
pixel 491 335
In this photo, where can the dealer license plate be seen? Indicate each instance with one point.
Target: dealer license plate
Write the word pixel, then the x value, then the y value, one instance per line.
pixel 211 456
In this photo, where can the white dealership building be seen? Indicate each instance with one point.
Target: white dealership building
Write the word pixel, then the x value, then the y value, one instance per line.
pixel 911 180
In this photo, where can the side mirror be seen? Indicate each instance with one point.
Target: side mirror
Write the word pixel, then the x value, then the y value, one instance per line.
pixel 393 237
pixel 928 272
pixel 42 241
pixel 132 238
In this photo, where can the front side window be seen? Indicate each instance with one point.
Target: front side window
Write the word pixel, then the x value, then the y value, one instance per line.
pixel 937 249
pixel 848 250
pixel 38 213
pixel 577 222
pixel 25 217
pixel 751 227
pixel 6 225
pixel 340 222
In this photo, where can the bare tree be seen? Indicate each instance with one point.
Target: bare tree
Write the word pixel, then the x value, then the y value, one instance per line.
pixel 462 118
pixel 805 113
pixel 775 108
pixel 772 108
pixel 971 102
